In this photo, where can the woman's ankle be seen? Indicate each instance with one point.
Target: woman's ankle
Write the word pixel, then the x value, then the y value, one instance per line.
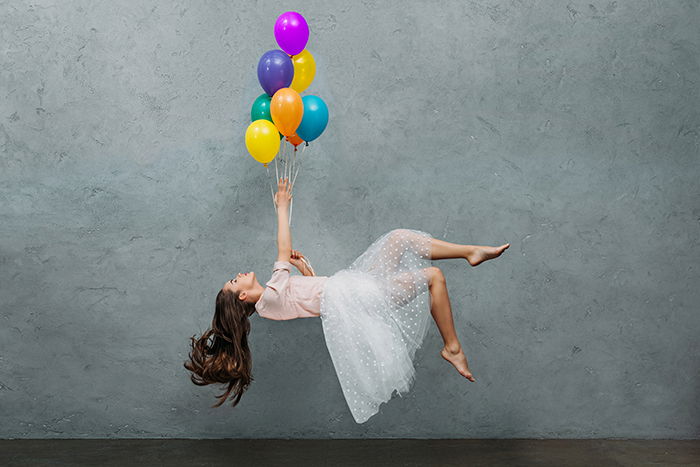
pixel 453 347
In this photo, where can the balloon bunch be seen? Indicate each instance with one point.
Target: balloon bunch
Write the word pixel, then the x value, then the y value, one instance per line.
pixel 281 112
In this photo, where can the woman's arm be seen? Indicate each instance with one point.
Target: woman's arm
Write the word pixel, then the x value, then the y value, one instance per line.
pixel 284 235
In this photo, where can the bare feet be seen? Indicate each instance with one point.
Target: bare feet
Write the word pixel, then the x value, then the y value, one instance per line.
pixel 459 361
pixel 482 253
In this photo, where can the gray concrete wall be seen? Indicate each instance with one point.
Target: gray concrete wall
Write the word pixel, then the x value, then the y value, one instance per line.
pixel 570 129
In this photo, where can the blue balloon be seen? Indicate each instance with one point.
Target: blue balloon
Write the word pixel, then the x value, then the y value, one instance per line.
pixel 314 120
pixel 275 71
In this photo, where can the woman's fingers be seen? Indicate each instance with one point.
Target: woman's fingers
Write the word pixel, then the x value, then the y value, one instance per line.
pixel 283 184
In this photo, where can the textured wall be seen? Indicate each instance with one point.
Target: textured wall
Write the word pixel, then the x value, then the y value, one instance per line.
pixel 570 130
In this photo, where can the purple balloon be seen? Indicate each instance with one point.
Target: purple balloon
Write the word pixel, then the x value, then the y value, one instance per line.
pixel 291 32
pixel 275 71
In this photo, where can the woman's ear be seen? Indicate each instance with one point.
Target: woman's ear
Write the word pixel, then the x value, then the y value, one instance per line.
pixel 243 296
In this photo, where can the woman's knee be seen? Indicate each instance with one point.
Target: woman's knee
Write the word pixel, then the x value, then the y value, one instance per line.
pixel 399 234
pixel 403 237
pixel 435 274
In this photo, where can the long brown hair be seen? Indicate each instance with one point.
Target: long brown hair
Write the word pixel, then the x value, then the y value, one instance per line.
pixel 227 359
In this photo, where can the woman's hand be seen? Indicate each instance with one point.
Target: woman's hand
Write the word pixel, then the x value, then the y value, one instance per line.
pixel 298 261
pixel 283 195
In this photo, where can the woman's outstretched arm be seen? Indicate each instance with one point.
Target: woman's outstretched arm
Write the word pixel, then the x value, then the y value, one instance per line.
pixel 284 235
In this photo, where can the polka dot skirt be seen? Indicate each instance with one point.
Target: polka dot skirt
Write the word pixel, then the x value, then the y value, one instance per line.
pixel 375 315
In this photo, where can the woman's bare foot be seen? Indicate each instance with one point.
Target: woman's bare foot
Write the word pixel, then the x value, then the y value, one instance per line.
pixel 482 253
pixel 459 361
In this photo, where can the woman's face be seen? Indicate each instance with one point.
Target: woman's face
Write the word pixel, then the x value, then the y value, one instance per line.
pixel 242 284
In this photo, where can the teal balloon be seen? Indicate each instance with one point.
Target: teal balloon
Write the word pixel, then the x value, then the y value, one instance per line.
pixel 261 108
pixel 314 120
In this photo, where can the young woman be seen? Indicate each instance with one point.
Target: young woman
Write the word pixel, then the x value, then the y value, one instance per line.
pixel 374 313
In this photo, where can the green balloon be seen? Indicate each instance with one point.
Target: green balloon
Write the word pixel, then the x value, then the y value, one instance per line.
pixel 261 108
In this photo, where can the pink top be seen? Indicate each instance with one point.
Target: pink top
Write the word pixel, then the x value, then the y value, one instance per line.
pixel 290 297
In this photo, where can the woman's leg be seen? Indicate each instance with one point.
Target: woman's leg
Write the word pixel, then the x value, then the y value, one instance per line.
pixel 441 310
pixel 474 254
pixel 440 249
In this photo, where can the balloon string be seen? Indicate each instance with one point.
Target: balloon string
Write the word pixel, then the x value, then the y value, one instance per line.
pixel 271 191
pixel 295 176
pixel 308 265
pixel 294 162
pixel 291 205
pixel 286 176
pixel 291 163
pixel 286 161
pixel 299 167
pixel 294 180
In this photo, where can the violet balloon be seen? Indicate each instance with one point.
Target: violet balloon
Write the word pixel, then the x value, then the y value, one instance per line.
pixel 291 32
pixel 275 71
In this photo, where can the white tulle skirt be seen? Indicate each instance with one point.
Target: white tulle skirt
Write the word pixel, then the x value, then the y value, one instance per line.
pixel 375 315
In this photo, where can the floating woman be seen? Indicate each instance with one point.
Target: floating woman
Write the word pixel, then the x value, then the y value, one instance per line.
pixel 374 314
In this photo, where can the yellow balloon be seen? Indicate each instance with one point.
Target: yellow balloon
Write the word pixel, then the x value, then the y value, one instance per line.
pixel 304 70
pixel 262 140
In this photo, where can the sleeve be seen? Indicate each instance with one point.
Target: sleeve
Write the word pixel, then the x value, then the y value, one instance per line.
pixel 280 265
pixel 281 271
pixel 271 304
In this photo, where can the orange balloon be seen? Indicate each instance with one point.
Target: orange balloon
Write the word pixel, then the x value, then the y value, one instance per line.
pixel 295 140
pixel 286 109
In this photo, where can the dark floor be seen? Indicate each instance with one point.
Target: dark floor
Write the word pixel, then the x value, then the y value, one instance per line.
pixel 361 452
